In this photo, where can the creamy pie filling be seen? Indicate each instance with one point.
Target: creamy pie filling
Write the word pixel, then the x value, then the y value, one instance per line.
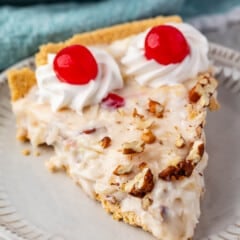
pixel 169 208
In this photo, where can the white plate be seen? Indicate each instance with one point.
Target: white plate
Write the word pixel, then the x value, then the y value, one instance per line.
pixel 35 204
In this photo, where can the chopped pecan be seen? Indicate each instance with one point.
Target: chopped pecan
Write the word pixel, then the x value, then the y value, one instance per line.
pixel 204 100
pixel 196 152
pixel 204 80
pixel 136 114
pixel 155 108
pixel 113 181
pixel 123 170
pixel 148 136
pixel 203 90
pixel 211 86
pixel 185 168
pixel 141 184
pixel 194 95
pixel 142 165
pixel 180 142
pixel 142 124
pixel 105 142
pixel 168 173
pixel 146 202
pixel 133 147
pixel 199 130
pixel 201 149
pixel 182 169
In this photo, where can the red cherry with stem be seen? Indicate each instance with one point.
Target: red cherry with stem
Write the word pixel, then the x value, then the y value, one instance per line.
pixel 113 101
pixel 75 65
pixel 166 44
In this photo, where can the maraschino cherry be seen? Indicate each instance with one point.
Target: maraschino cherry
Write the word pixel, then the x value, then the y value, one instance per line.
pixel 113 101
pixel 166 44
pixel 75 65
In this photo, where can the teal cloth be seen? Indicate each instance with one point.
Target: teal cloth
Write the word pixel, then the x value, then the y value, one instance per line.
pixel 26 25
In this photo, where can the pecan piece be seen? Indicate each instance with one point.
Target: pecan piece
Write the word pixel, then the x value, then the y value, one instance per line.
pixel 211 86
pixel 182 169
pixel 168 173
pixel 196 152
pixel 195 94
pixel 105 142
pixel 204 80
pixel 148 136
pixel 142 124
pixel 123 170
pixel 133 147
pixel 180 142
pixel 141 184
pixel 136 114
pixel 185 167
pixel 155 108
pixel 203 90
pixel 201 149
pixel 204 100
pixel 146 202
pixel 199 130
pixel 113 181
pixel 142 165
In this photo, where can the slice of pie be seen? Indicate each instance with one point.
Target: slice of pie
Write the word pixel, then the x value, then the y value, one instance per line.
pixel 124 109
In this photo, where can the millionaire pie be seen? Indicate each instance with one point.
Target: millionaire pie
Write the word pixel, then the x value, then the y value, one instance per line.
pixel 124 109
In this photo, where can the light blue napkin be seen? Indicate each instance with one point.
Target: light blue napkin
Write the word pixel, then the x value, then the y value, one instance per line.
pixel 24 28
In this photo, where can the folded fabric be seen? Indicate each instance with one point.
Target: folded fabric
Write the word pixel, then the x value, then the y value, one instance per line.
pixel 192 8
pixel 27 2
pixel 24 28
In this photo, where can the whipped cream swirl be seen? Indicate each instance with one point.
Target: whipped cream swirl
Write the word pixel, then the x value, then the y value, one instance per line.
pixel 76 97
pixel 151 73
